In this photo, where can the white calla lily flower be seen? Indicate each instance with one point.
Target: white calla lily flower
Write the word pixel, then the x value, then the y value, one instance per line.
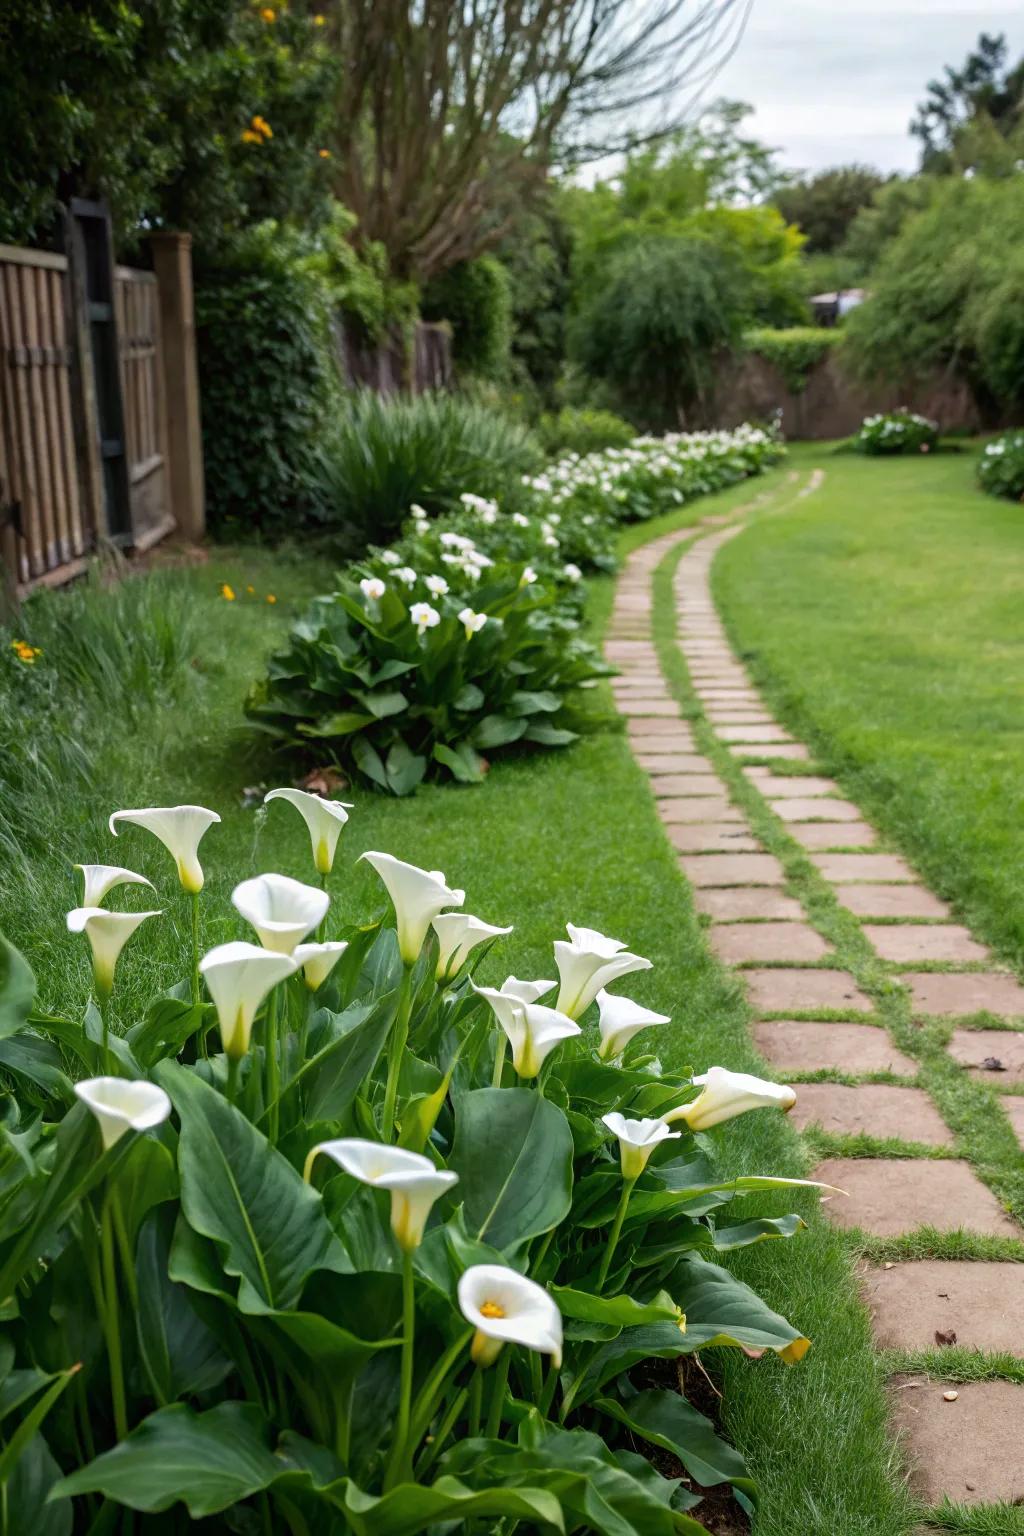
pixel 727 1094
pixel 180 828
pixel 458 935
pixel 637 1140
pixel 533 1031
pixel 418 896
pixel 413 1181
pixel 586 964
pixel 121 1105
pixel 281 910
pixel 506 1308
pixel 108 933
pixel 526 991
pixel 318 960
pixel 98 880
pixel 620 1020
pixel 324 818
pixel 239 976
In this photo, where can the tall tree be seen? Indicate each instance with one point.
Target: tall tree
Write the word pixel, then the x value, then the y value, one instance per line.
pixel 984 86
pixel 825 205
pixel 451 113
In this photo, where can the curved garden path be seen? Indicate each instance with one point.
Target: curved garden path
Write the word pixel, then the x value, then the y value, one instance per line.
pixel 776 855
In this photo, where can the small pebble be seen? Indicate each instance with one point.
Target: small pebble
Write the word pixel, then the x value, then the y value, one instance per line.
pixel 950 1397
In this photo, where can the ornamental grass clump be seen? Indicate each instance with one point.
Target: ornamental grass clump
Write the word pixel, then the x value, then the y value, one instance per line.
pixel 352 1241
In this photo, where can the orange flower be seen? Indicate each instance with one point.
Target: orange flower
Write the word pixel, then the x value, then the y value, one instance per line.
pixel 248 137
pixel 227 593
pixel 324 154
pixel 262 126
pixel 250 590
pixel 25 653
pixel 268 14
pixel 271 598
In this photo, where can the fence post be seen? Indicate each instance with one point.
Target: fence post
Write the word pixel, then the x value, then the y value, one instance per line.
pixel 172 262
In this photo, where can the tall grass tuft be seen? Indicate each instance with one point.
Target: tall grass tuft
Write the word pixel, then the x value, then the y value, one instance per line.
pixel 383 455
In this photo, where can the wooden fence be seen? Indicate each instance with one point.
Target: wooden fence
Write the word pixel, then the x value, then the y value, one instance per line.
pixel 56 457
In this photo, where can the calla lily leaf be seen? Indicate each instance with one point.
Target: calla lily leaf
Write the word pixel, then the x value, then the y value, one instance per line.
pixel 667 1420
pixel 17 988
pixel 269 1227
pixel 180 1354
pixel 620 1310
pixel 28 1489
pixel 329 1080
pixel 758 1231
pixel 513 1154
pixel 169 1023
pixel 722 1310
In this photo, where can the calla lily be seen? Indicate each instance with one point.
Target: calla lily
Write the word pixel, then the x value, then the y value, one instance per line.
pixel 589 962
pixel 121 1106
pixel 324 818
pixel 533 1031
pixel 458 935
pixel 411 1178
pixel 506 1308
pixel 180 828
pixel 318 960
pixel 239 976
pixel 108 933
pixel 98 880
pixel 526 991
pixel 282 910
pixel 727 1094
pixel 620 1020
pixel 637 1140
pixel 419 895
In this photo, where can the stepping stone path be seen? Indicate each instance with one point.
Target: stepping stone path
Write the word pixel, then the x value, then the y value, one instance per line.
pixel 962 1441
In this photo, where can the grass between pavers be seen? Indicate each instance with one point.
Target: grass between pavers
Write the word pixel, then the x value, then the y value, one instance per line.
pixel 882 620
pixel 562 836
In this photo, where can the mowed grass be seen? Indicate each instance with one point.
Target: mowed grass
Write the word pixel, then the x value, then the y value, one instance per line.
pixel 884 620
pixel 563 836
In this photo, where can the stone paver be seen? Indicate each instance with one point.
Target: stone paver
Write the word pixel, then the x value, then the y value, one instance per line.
pixel 1013 1105
pixel 953 994
pixel 876 1109
pixel 666 784
pixel 698 808
pixel 674 741
pixel 967 1450
pixel 812 808
pixel 904 943
pixel 890 1196
pixel 993 1055
pixel 795 751
pixel 980 1304
pixel 740 903
pixel 795 1045
pixel 638 709
pixel 780 786
pixel 896 901
pixel 754 943
pixel 644 729
pixel 712 837
pixel 843 867
pixel 673 762
pixel 733 869
pixel 818 835
pixel 782 991
pixel 754 734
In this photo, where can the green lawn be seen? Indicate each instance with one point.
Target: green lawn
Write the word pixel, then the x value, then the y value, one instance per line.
pixel 564 836
pixel 884 619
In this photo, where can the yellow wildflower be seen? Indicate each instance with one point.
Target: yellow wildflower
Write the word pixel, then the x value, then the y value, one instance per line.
pixel 250 590
pixel 271 598
pixel 319 21
pixel 268 14
pixel 25 653
pixel 227 593
pixel 324 154
pixel 248 137
pixel 262 126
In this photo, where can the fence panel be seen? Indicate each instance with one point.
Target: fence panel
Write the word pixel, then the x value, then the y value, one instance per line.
pixel 138 327
pixel 45 528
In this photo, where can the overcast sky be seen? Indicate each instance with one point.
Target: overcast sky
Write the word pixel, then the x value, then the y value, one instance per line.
pixel 835 81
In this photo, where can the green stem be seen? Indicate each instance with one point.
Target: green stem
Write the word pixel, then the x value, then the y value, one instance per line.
pixel 233 1065
pixel 127 1257
pixel 499 1058
pixel 476 1392
pixel 444 1429
pixel 613 1237
pixel 493 1429
pixel 197 988
pixel 396 1050
pixel 104 1002
pixel 321 930
pixel 432 1388
pixel 541 1254
pixel 273 1072
pixel 111 1325
pixel 397 1463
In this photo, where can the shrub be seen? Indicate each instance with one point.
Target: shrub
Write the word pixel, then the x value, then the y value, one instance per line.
pixel 380 456
pixel 317 1255
pixel 896 432
pixel 655 326
pixel 399 680
pixel 794 352
pixel 268 381
pixel 583 431
pixel 1001 466
pixel 475 298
